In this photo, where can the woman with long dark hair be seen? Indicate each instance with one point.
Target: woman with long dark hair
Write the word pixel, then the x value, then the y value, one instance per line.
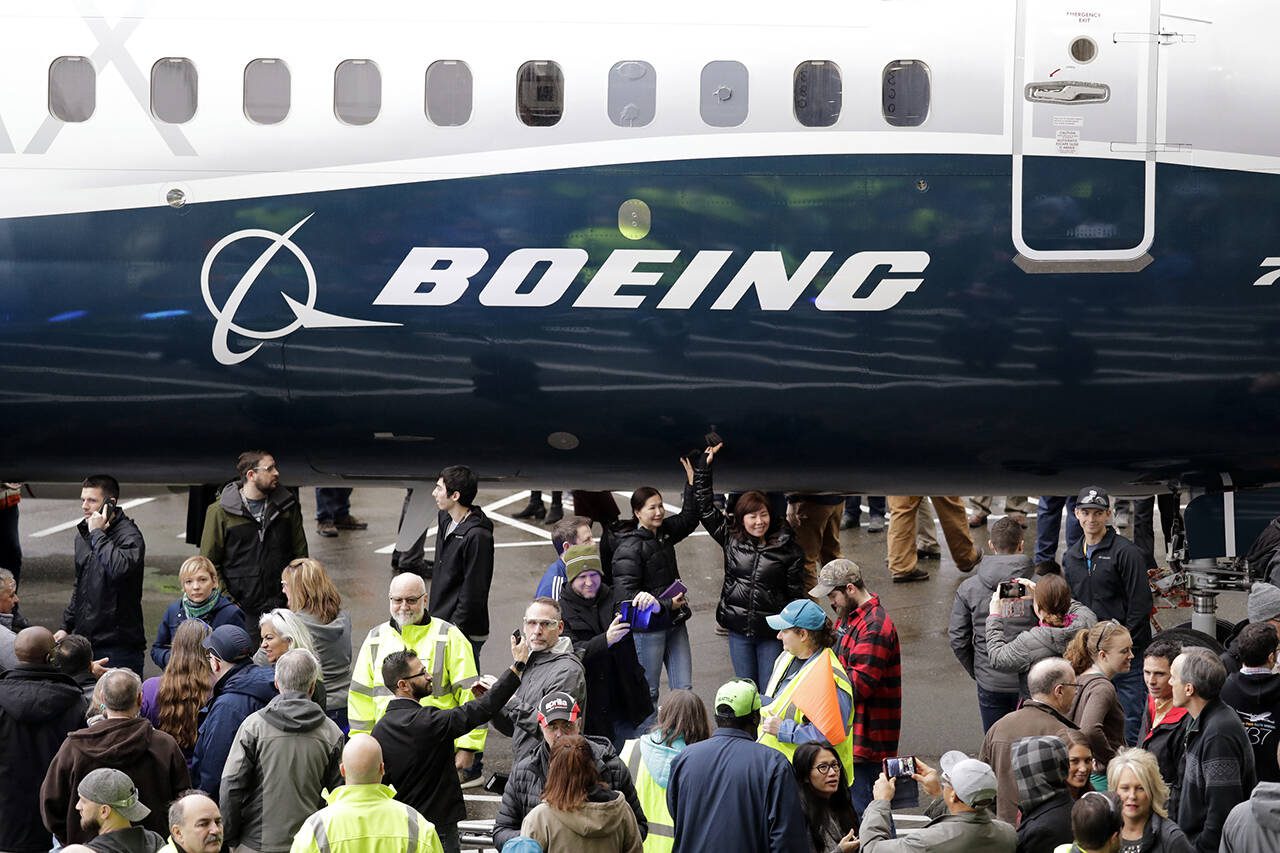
pixel 579 813
pixel 763 570
pixel 644 569
pixel 682 720
pixel 824 794
pixel 172 702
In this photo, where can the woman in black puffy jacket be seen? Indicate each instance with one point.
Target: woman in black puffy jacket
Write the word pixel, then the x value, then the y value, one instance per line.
pixel 644 568
pixel 763 572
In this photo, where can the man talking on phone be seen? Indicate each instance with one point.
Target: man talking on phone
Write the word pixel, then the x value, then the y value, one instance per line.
pixel 106 603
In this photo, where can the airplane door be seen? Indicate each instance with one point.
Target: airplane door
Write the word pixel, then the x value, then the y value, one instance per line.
pixel 1084 126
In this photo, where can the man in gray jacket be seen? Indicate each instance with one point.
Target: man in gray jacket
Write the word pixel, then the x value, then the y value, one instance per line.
pixel 967 788
pixel 997 690
pixel 1255 823
pixel 552 667
pixel 283 757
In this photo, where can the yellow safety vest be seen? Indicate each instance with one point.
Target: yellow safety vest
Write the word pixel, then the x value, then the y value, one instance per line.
pixel 443 650
pixel 781 706
pixel 653 800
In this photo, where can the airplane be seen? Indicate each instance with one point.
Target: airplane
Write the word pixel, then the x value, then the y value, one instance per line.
pixel 895 246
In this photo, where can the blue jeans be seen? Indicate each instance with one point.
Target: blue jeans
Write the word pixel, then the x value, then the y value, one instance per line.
pixel 1049 526
pixel 753 658
pixel 875 503
pixel 864 776
pixel 1132 693
pixel 670 647
pixel 993 705
pixel 339 717
pixel 332 504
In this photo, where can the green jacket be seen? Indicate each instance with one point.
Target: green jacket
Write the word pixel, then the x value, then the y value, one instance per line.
pixel 251 555
pixel 366 819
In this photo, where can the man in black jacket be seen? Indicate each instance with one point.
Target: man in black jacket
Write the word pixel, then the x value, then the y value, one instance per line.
pixel 252 533
pixel 464 557
pixel 1108 574
pixel 1254 694
pixel 1216 770
pixel 417 740
pixel 39 706
pixel 558 716
pixel 106 603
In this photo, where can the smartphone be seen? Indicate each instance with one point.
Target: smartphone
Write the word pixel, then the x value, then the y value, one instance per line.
pixel 675 589
pixel 108 509
pixel 496 784
pixel 906 794
pixel 1011 589
pixel 896 768
pixel 517 635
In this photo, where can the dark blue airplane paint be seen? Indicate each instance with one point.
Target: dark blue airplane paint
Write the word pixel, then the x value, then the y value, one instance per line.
pixel 983 375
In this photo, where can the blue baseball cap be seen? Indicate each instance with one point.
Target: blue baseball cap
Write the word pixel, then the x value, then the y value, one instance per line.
pixel 801 613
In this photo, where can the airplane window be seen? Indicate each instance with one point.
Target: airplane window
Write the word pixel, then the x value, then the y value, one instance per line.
pixel 904 93
pixel 73 88
pixel 449 94
pixel 266 91
pixel 173 90
pixel 540 93
pixel 816 94
pixel 723 99
pixel 633 93
pixel 357 91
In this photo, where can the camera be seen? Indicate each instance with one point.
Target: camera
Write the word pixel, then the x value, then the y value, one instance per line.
pixel 897 767
pixel 1010 589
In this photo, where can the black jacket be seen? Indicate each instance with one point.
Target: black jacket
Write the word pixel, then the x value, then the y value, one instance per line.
pixel 463 571
pixel 1256 701
pixel 644 561
pixel 39 707
pixel 1215 745
pixel 417 748
pixel 1117 587
pixel 1046 825
pixel 759 578
pixel 250 557
pixel 616 689
pixel 524 788
pixel 106 603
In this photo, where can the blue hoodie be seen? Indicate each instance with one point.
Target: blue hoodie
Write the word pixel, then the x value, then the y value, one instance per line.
pixel 243 690
pixel 658 756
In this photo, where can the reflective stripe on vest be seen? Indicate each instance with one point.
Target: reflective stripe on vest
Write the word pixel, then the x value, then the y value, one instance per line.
pixel 441 638
pixel 413 829
pixel 316 824
pixel 653 800
pixel 783 707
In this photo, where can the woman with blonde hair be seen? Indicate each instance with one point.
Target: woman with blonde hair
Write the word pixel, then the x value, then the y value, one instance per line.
pixel 283 631
pixel 172 701
pixel 1099 654
pixel 316 602
pixel 201 599
pixel 1134 774
pixel 579 813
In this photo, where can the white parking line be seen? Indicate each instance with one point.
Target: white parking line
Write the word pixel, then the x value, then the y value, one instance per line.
pixel 489 510
pixel 58 528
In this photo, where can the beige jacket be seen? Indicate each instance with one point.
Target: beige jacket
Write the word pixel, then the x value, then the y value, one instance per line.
pixel 597 827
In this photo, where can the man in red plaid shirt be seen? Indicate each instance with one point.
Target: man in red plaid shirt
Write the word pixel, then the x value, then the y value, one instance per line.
pixel 867 645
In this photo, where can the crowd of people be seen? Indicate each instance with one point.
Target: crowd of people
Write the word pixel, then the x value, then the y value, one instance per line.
pixel 300 736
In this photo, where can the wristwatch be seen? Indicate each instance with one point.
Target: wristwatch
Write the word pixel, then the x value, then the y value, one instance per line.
pixel 519 666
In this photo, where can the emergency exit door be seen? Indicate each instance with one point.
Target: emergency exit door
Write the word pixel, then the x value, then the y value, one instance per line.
pixel 1084 128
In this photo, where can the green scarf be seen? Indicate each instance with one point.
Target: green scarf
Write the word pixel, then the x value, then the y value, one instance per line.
pixel 199 611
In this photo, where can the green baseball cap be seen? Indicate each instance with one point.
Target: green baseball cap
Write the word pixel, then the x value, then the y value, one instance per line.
pixel 740 696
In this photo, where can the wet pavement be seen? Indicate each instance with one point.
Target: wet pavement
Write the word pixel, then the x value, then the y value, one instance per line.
pixel 940 709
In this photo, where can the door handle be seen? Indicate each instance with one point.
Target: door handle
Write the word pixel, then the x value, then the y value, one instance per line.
pixel 1068 92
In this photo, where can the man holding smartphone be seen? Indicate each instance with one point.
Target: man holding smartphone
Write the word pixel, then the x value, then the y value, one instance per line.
pixel 106 603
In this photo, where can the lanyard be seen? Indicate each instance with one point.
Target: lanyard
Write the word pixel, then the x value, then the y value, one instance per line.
pixel 1088 559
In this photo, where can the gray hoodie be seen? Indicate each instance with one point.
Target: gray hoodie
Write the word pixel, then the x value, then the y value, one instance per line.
pixel 1254 825
pixel 333 647
pixel 1016 654
pixel 549 670
pixel 283 757
pixel 968 631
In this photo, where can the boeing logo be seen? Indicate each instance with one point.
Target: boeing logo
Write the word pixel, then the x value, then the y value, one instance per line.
pixel 305 314
pixel 436 277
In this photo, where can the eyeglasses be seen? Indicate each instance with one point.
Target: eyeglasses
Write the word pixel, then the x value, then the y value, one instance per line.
pixel 410 600
pixel 268 470
pixel 826 767
pixel 1068 684
pixel 544 624
pixel 417 674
